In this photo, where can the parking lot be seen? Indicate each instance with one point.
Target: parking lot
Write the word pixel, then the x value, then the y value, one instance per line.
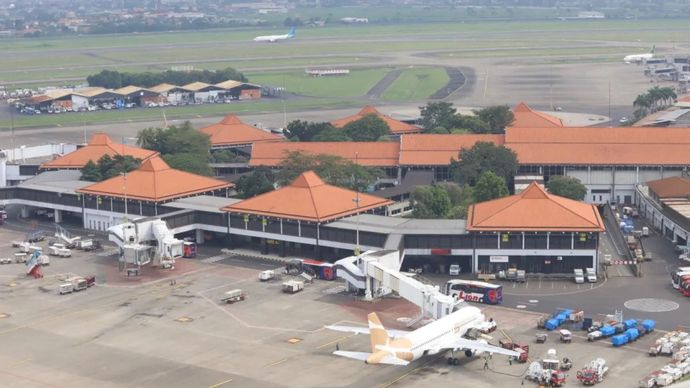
pixel 168 328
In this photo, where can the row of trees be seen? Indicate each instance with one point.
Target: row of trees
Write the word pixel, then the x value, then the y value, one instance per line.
pixel 368 128
pixel 441 117
pixel 656 98
pixel 112 79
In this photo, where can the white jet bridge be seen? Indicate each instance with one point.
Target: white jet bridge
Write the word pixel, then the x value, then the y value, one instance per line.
pixel 145 241
pixel 377 273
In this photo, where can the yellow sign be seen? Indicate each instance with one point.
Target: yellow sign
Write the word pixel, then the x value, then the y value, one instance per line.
pixel 505 237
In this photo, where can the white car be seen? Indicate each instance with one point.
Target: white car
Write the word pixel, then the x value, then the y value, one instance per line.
pixel 623 120
pixel 579 276
pixel 454 270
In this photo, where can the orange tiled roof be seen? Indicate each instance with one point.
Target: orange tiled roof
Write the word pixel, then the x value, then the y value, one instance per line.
pixel 99 145
pixel 526 117
pixel 602 146
pixel 396 127
pixel 308 198
pixel 673 187
pixel 438 150
pixel 378 154
pixel 155 181
pixel 534 210
pixel 233 132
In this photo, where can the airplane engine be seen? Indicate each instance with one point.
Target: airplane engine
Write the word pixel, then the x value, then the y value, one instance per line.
pixel 473 352
pixel 470 353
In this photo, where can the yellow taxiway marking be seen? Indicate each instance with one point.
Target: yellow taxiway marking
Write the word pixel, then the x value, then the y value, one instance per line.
pixel 221 383
pixel 24 361
pixel 431 359
pixel 277 362
pixel 334 341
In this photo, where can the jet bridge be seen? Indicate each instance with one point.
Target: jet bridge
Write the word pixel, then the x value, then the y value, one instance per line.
pixel 377 273
pixel 144 241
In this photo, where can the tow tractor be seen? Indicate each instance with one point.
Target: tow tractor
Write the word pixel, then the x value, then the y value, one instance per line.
pixel 523 349
pixel 553 378
pixel 593 372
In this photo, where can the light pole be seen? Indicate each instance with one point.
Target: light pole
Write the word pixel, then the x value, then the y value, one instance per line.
pixel 124 187
pixel 356 200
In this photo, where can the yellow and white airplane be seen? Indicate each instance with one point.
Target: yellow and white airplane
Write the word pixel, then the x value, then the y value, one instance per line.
pixel 402 347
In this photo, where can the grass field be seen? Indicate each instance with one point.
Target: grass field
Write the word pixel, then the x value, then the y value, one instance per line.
pixel 353 85
pixel 416 84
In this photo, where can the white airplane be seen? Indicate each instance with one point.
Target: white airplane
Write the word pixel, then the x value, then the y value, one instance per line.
pixel 637 58
pixel 402 347
pixel 276 38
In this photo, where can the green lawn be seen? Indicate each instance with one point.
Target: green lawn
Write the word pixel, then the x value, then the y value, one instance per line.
pixel 357 83
pixel 185 112
pixel 416 84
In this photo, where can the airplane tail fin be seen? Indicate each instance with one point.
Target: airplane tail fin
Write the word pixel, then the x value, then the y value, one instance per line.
pixel 377 333
pixel 292 32
pixel 653 48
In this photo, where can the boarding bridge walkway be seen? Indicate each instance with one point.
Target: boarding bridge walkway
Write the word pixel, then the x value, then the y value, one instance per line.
pixel 377 273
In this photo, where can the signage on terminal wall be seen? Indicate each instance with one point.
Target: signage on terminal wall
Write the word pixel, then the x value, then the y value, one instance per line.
pixel 547 261
pixel 438 251
pixel 498 259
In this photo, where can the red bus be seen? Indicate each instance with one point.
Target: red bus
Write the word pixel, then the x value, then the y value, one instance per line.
pixel 685 285
pixel 475 291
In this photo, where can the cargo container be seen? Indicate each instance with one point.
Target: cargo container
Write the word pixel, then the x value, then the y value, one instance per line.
pixel 630 323
pixel 607 331
pixel 632 334
pixel 649 325
pixel 551 324
pixel 619 340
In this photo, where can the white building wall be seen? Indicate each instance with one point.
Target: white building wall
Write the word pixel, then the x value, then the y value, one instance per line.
pixel 79 102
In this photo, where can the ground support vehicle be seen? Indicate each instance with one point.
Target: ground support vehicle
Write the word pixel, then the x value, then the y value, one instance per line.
pixel 293 286
pixel 566 336
pixel 78 282
pixel 65 288
pixel 540 375
pixel 541 337
pixel 233 296
pixel 266 275
pixel 593 372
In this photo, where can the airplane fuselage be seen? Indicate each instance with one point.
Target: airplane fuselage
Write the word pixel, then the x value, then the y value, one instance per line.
pixel 434 335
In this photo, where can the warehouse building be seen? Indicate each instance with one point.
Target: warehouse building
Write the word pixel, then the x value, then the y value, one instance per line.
pixel 666 204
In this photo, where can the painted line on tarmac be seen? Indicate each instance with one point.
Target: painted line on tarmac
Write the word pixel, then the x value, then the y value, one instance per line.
pixel 276 363
pixel 220 384
pixel 335 341
pixel 599 285
pixel 385 385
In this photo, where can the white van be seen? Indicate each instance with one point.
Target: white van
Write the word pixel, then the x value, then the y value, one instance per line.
pixel 454 270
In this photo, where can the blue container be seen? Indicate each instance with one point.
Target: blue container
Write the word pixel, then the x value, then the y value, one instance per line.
pixel 630 323
pixel 551 324
pixel 567 312
pixel 619 340
pixel 607 331
pixel 649 325
pixel 632 334
pixel 560 318
pixel 641 329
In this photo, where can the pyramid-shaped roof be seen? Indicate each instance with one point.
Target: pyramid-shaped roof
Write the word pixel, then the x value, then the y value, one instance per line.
pixel 396 126
pixel 232 132
pixel 526 117
pixel 534 210
pixel 99 145
pixel 308 198
pixel 155 181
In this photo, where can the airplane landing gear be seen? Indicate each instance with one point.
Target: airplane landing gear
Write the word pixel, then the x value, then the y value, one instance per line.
pixel 452 360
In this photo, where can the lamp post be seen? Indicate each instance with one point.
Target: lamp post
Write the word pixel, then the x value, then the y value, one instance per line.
pixel 356 201
pixel 124 189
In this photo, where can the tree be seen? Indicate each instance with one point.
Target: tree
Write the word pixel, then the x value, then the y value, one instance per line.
pixel 227 156
pixel 437 114
pixel 108 167
pixel 190 162
pixel 469 123
pixel 257 182
pixel 91 172
pixel 298 130
pixel 368 128
pixel 489 186
pixel 113 79
pixel 430 202
pixel 332 169
pixel 496 117
pixel 331 134
pixel 460 199
pixel 566 186
pixel 107 79
pixel 483 156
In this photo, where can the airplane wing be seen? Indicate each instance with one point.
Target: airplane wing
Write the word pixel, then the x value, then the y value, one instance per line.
pixel 365 330
pixel 462 343
pixel 363 356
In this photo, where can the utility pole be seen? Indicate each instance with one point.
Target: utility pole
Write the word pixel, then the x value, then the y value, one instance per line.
pixel 356 200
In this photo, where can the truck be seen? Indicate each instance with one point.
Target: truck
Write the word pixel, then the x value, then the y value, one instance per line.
pixel 293 286
pixel 59 250
pixel 593 372
pixel 233 296
pixel 65 288
pixel 540 375
pixel 266 275
pixel 78 283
